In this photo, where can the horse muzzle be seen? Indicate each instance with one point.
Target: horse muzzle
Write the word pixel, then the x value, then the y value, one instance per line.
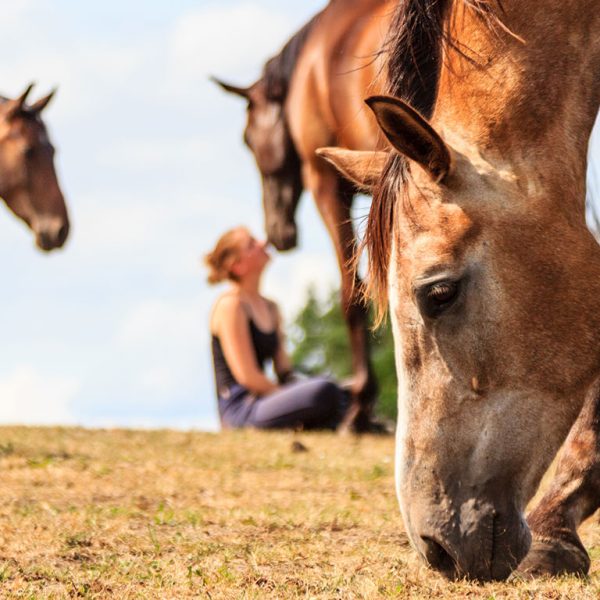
pixel 283 238
pixel 280 198
pixel 478 540
pixel 51 232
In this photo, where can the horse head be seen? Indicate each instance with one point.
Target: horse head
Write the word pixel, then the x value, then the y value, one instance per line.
pixel 28 182
pixel 492 289
pixel 267 135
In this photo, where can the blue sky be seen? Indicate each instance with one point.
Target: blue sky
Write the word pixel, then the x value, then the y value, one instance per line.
pixel 113 329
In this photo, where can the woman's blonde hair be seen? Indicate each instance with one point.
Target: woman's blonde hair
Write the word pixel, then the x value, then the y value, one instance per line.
pixel 223 255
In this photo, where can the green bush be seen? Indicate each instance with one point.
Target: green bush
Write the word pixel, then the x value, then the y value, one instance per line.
pixel 320 344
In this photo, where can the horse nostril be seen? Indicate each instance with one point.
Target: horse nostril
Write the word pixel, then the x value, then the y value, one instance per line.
pixel 290 236
pixel 62 234
pixel 43 240
pixel 437 557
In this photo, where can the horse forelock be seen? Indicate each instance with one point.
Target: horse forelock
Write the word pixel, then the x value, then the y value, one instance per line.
pixel 379 232
pixel 415 46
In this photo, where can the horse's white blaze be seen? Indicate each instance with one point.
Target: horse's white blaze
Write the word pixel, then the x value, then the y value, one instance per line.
pixel 402 418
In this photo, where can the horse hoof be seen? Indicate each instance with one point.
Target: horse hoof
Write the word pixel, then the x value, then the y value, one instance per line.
pixel 553 557
pixel 362 423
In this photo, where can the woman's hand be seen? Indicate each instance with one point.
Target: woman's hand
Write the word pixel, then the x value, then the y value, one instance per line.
pixel 287 377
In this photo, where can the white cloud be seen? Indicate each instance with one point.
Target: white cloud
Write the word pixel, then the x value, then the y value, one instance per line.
pixel 86 78
pixel 166 231
pixel 103 231
pixel 161 378
pixel 28 397
pixel 164 340
pixel 16 14
pixel 224 39
pixel 141 155
pixel 159 321
pixel 288 280
pixel 206 423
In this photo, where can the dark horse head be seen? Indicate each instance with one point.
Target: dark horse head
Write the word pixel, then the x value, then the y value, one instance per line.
pixel 28 183
pixel 268 136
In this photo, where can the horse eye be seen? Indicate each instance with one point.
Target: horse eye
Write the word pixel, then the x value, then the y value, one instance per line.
pixel 28 152
pixel 438 297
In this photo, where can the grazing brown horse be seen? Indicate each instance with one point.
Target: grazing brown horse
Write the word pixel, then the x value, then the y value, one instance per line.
pixel 28 183
pixel 477 236
pixel 310 95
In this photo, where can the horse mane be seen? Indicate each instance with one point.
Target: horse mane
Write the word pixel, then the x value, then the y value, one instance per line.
pixel 278 70
pixel 415 45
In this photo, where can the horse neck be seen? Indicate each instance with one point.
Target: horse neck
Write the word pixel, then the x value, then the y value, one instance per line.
pixel 533 96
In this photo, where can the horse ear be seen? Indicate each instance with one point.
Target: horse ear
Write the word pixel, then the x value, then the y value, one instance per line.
pixel 18 104
pixel 412 135
pixel 41 104
pixel 232 89
pixel 23 97
pixel 361 167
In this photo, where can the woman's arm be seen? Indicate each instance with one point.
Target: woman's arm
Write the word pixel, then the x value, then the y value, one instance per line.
pixel 281 361
pixel 234 334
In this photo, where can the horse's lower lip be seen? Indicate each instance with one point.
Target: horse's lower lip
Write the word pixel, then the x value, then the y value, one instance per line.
pixel 287 247
pixel 283 244
pixel 438 558
pixel 51 233
pixel 481 541
pixel 46 245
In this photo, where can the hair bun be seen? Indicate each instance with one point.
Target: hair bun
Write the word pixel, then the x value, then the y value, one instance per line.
pixel 215 274
pixel 220 260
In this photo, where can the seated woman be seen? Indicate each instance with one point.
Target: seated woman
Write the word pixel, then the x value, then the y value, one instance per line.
pixel 246 333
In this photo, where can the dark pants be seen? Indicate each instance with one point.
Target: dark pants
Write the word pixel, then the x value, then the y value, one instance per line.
pixel 315 403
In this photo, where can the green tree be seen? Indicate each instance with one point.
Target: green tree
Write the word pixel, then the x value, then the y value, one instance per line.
pixel 320 344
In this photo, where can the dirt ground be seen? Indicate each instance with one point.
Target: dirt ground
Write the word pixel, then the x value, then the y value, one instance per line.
pixel 164 514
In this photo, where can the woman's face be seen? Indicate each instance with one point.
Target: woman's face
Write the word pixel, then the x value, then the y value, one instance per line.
pixel 252 257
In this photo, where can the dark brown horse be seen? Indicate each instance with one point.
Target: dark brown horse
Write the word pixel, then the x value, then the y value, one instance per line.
pixel 310 95
pixel 477 237
pixel 28 183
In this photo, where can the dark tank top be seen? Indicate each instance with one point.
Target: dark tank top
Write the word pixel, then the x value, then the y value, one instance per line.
pixel 265 346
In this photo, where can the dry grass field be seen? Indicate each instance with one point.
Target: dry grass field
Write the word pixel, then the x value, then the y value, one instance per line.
pixel 163 514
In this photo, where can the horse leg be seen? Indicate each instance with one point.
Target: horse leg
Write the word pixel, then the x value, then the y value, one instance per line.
pixel 333 197
pixel 574 495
